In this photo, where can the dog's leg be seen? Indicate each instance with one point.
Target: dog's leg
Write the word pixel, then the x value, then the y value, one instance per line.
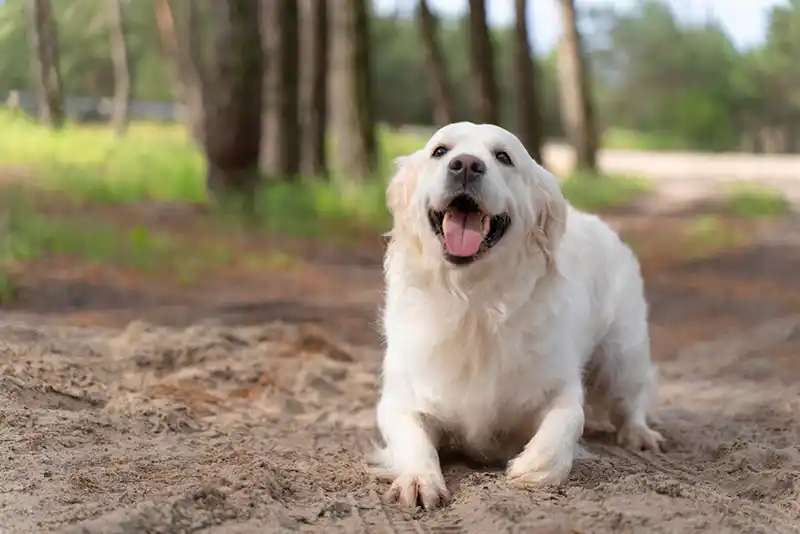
pixel 410 455
pixel 629 379
pixel 547 458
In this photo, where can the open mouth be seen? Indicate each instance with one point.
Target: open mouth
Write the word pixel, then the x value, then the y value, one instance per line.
pixel 466 232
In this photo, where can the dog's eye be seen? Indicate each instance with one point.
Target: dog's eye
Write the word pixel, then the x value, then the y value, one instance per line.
pixel 503 157
pixel 439 151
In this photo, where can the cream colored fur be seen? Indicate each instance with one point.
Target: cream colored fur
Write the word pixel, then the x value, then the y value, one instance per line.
pixel 492 358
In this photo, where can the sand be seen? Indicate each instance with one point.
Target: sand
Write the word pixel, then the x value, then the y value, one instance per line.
pixel 211 427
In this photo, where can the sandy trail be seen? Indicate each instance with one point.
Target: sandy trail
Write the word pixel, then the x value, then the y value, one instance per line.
pixel 227 421
pixel 262 429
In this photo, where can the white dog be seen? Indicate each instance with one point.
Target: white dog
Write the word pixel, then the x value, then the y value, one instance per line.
pixel 507 310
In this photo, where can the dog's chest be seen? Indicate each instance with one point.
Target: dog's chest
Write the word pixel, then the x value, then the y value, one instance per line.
pixel 487 392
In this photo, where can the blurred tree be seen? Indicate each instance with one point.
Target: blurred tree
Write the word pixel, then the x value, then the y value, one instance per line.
pixel 232 91
pixel 658 82
pixel 122 73
pixel 692 97
pixel 439 86
pixel 577 107
pixel 181 50
pixel 280 155
pixel 43 36
pixel 351 98
pixel 482 58
pixel 529 125
pixel 313 86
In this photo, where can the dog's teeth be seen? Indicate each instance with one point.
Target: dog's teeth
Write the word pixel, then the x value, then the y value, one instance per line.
pixel 486 224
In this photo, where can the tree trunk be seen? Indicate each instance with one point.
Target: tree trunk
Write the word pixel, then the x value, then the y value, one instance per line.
pixel 443 112
pixel 482 59
pixel 47 76
pixel 165 21
pixel 351 113
pixel 314 86
pixel 270 110
pixel 577 108
pixel 529 113
pixel 283 147
pixel 232 101
pixel 178 51
pixel 120 59
pixel 363 35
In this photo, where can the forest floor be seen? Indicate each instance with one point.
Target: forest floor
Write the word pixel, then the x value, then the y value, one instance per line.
pixel 242 400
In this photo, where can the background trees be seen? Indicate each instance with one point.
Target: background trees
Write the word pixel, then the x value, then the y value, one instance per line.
pixel 439 85
pixel 577 105
pixel 351 91
pixel 484 84
pixel 43 39
pixel 232 91
pixel 526 85
pixel 632 77
pixel 122 72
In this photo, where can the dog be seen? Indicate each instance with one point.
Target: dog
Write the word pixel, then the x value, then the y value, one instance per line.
pixel 507 314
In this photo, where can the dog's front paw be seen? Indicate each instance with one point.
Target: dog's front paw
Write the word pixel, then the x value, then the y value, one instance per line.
pixel 640 437
pixel 533 469
pixel 408 489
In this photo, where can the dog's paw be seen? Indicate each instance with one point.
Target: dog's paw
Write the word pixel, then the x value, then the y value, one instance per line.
pixel 408 489
pixel 640 438
pixel 531 469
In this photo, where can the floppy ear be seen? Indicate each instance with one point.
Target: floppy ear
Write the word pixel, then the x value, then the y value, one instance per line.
pixel 402 184
pixel 551 213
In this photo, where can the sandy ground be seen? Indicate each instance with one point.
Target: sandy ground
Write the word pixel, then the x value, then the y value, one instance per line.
pixel 248 408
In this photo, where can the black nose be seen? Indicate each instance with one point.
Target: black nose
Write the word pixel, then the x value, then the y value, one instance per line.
pixel 466 169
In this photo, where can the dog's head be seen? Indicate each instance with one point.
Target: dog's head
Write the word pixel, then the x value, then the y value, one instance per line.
pixel 475 195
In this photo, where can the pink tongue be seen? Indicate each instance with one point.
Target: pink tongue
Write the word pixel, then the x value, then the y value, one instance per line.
pixel 462 236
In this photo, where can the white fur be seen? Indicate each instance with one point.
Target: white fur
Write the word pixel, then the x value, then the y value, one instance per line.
pixel 498 358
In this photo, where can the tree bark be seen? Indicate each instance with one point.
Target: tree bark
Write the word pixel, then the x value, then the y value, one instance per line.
pixel 352 113
pixel 577 107
pixel 282 85
pixel 443 109
pixel 314 49
pixel 529 113
pixel 178 50
pixel 482 60
pixel 232 101
pixel 43 36
pixel 120 58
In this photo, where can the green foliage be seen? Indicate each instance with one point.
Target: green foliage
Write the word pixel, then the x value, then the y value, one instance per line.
pixel 155 162
pixel 679 85
pixel 756 201
pixel 158 163
pixel 29 234
pixel 594 192
pixel 709 234
pixel 620 138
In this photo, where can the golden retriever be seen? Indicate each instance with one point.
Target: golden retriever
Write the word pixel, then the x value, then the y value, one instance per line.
pixel 507 313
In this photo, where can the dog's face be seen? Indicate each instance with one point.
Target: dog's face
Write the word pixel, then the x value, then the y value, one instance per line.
pixel 474 192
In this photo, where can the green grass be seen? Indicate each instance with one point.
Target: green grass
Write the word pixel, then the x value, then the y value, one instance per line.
pixel 756 201
pixel 595 192
pixel 26 235
pixel 709 233
pixel 617 138
pixel 158 162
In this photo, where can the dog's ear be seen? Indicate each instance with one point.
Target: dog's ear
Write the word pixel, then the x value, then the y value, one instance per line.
pixel 402 184
pixel 550 210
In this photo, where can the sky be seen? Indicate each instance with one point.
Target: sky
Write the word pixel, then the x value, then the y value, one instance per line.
pixel 745 21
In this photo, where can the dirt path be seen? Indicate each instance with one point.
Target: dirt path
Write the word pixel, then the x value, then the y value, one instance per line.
pixel 689 177
pixel 246 407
